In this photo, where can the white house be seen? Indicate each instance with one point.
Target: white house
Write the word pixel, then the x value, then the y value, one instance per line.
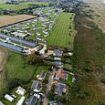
pixel 20 91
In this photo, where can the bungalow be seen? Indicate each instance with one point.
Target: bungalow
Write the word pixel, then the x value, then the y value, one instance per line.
pixel 58 64
pixel 60 89
pixel 36 86
pixel 60 74
pixel 1 103
pixel 20 91
pixel 58 52
pixel 41 76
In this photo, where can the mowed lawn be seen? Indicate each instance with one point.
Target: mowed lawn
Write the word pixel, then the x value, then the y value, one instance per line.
pixel 20 6
pixel 63 32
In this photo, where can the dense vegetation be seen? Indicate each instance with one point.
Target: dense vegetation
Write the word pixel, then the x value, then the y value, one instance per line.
pixel 88 61
pixel 21 5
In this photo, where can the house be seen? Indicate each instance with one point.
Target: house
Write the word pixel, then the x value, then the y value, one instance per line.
pixel 58 64
pixel 1 103
pixel 9 98
pixel 32 100
pixel 60 89
pixel 60 74
pixel 58 53
pixel 21 101
pixel 20 91
pixel 36 86
pixel 41 76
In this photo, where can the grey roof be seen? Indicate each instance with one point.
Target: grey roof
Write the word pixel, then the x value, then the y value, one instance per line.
pixel 58 52
pixel 36 85
pixel 42 75
pixel 32 100
pixel 60 88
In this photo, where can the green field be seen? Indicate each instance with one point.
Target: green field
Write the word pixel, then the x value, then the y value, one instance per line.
pixel 20 6
pixel 17 67
pixel 63 32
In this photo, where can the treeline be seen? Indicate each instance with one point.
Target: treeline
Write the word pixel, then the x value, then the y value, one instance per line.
pixel 28 11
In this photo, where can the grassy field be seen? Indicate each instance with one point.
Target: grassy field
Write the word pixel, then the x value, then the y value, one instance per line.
pixel 17 67
pixel 63 33
pixel 20 6
pixel 6 20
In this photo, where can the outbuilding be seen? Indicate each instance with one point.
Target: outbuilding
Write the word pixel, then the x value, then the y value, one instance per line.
pixel 9 98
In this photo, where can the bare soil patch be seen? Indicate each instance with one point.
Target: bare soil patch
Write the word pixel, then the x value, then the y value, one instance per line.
pixel 6 20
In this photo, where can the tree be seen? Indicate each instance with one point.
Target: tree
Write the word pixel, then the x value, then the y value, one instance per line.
pixel 34 58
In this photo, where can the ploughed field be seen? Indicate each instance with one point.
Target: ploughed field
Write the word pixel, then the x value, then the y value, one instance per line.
pixel 6 20
pixel 63 32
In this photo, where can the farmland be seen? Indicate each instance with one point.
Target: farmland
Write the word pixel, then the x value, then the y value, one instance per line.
pixel 20 6
pixel 63 32
pixel 6 20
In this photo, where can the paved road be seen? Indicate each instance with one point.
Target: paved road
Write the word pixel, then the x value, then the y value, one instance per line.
pixel 18 40
pixel 49 85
